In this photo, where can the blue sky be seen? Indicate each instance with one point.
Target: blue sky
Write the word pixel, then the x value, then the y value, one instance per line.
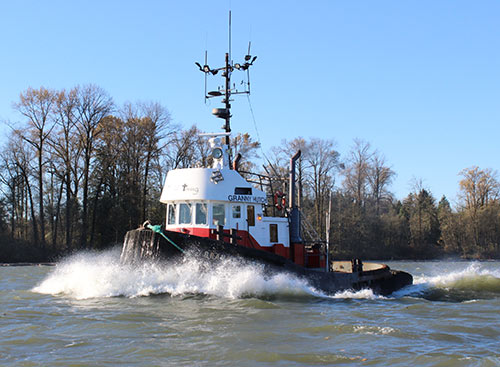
pixel 419 80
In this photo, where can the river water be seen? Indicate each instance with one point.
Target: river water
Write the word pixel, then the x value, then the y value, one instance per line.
pixel 91 311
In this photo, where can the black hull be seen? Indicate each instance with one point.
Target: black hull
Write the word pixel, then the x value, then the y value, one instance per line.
pixel 144 244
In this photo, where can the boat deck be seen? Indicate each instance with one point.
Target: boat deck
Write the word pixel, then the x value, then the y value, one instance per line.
pixel 346 266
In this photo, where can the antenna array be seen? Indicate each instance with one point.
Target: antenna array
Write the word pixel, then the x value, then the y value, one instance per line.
pixel 227 90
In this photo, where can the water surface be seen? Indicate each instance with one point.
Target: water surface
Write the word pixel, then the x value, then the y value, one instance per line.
pixel 91 311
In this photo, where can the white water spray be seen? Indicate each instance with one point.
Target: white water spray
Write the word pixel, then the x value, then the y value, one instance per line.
pixel 88 275
pixel 94 275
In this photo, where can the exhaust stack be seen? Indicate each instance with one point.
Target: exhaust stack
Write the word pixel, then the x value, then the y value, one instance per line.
pixel 294 210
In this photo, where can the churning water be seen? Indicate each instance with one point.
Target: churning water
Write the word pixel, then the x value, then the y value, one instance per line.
pixel 90 310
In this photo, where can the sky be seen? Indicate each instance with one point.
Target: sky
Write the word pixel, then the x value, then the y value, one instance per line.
pixel 418 80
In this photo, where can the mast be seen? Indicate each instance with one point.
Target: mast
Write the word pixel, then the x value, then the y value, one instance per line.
pixel 227 101
pixel 226 90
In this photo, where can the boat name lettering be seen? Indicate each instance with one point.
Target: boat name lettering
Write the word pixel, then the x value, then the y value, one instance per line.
pixel 247 198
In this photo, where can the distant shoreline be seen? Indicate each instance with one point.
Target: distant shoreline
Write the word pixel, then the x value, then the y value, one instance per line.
pixel 28 264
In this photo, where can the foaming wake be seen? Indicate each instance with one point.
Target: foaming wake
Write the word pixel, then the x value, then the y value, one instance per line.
pixel 90 275
pixel 456 285
pixel 97 275
pixel 352 294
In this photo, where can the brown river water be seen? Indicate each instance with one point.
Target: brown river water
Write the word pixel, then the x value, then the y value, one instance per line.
pixel 89 310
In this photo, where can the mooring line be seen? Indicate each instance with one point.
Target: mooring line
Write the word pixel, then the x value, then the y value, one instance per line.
pixel 157 229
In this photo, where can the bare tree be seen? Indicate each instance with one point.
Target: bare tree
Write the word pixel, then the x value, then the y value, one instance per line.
pixel 277 168
pixel 243 144
pixel 478 187
pixel 357 171
pixel 322 160
pixel 127 150
pixel 20 156
pixel 66 151
pixel 157 126
pixel 36 106
pixel 379 178
pixel 181 151
pixel 280 158
pixel 93 105
pixel 11 176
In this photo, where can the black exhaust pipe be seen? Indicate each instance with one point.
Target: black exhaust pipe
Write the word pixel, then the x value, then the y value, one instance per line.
pixel 294 210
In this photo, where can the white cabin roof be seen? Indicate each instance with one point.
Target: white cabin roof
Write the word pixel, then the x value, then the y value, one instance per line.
pixel 209 184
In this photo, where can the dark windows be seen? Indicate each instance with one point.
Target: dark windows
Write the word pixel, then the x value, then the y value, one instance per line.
pixel 251 215
pixel 273 232
pixel 243 191
pixel 171 214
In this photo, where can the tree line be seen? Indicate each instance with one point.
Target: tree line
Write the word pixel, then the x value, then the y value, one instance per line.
pixel 368 221
pixel 77 172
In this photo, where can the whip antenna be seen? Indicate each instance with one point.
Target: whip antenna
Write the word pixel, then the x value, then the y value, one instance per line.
pixel 229 50
pixel 206 62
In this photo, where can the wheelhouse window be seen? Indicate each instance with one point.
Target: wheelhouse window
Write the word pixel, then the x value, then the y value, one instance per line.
pixel 184 213
pixel 201 213
pixel 243 191
pixel 236 211
pixel 219 214
pixel 171 213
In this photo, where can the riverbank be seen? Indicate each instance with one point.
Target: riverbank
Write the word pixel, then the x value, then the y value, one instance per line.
pixel 23 252
pixel 27 264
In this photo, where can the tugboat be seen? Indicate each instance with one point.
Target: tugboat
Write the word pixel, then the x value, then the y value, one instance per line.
pixel 214 213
